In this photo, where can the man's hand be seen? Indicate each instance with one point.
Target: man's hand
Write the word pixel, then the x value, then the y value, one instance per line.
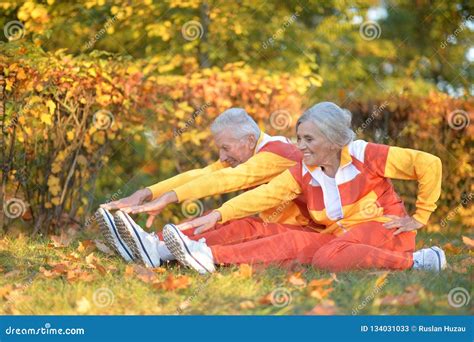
pixel 404 224
pixel 137 198
pixel 202 223
pixel 154 207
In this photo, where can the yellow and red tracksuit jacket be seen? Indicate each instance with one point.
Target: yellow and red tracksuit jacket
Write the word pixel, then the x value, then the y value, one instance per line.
pixel 272 156
pixel 361 190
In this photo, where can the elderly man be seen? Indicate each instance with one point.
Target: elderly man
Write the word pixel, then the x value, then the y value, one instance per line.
pixel 247 158
pixel 348 191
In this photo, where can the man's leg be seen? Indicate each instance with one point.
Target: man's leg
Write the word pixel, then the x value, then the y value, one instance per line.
pixel 367 245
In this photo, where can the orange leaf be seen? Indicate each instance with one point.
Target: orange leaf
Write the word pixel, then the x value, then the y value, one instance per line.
pixel 245 271
pixel 326 307
pixel 296 279
pixel 321 293
pixel 62 240
pixel 86 246
pixel 320 282
pixel 144 274
pixel 468 242
pixel 247 304
pixel 173 283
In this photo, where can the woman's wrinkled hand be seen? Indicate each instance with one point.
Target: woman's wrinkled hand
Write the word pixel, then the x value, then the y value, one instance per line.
pixel 404 224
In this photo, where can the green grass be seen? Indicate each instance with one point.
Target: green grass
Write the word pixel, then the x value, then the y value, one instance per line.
pixel 24 290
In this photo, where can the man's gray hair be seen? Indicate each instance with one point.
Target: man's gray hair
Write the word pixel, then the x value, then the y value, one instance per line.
pixel 240 123
pixel 333 121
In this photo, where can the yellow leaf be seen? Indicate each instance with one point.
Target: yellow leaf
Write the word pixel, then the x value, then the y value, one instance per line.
pixel 83 305
pixel 70 135
pixel 46 118
pixel 51 105
pixel 381 280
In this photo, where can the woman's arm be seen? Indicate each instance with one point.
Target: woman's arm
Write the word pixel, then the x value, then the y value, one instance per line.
pixel 403 163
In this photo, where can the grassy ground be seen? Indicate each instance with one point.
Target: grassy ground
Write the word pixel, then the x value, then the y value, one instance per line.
pixel 41 277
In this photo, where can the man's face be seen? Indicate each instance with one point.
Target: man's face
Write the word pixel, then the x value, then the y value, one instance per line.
pixel 234 151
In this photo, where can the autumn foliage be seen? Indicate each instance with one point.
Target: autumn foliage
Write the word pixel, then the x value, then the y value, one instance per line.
pixel 66 116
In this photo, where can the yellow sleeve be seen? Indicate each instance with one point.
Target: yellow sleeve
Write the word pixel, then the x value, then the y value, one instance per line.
pixel 259 169
pixel 404 163
pixel 169 184
pixel 281 189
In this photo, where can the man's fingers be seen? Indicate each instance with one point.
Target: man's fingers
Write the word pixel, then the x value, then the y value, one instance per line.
pixel 108 206
pixel 150 220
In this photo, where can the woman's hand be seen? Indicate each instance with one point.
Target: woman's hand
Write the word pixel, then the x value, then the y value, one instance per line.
pixel 202 223
pixel 154 207
pixel 137 198
pixel 404 224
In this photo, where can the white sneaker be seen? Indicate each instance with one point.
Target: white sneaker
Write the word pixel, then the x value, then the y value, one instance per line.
pixel 429 259
pixel 194 254
pixel 143 245
pixel 112 237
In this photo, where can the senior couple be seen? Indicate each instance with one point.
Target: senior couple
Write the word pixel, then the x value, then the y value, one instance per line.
pixel 328 201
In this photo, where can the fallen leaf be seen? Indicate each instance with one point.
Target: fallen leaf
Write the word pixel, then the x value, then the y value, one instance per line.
pixel 381 280
pixel 129 270
pixel 62 240
pixel 326 307
pixel 13 273
pixel 468 242
pixel 266 300
pixel 463 265
pixel 160 270
pixel 5 290
pixel 245 271
pixel 86 246
pixel 173 283
pixel 451 249
pixel 247 304
pixel 144 274
pixel 83 305
pixel 296 279
pixel 320 282
pixel 321 293
pixel 411 296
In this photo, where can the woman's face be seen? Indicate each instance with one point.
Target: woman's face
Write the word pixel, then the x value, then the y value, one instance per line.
pixel 316 148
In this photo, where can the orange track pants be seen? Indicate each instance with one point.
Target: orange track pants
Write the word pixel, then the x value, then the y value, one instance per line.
pixel 366 245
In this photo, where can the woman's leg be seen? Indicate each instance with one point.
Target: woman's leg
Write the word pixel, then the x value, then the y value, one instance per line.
pixel 367 245
pixel 287 246
pixel 242 230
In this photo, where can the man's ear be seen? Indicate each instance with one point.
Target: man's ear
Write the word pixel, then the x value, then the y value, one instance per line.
pixel 252 140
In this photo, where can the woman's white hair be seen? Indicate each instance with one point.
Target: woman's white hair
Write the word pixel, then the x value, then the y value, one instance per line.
pixel 333 121
pixel 240 123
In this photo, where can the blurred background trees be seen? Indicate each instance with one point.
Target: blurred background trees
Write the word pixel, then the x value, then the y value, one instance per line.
pixel 99 98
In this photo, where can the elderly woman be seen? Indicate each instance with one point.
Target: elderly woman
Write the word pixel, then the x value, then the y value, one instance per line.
pixel 348 190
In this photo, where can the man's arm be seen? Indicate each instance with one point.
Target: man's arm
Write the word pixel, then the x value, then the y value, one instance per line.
pixel 259 169
pixel 164 186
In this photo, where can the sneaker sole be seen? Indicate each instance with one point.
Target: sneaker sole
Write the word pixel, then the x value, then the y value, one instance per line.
pixel 111 235
pixel 179 249
pixel 131 238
